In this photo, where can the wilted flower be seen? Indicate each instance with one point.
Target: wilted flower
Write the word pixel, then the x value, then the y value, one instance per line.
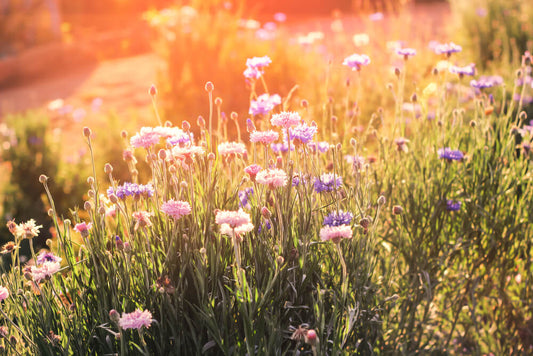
pixel 274 178
pixel 355 61
pixel 335 233
pixel 450 155
pixel 327 182
pixel 135 320
pixel 27 230
pixel 175 208
pixel 142 219
pixel 286 119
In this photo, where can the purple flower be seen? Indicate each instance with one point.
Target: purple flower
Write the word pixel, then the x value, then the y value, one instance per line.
pixel 46 256
pixel 337 218
pixel 252 73
pixel 244 197
pixel 445 48
pixel 321 146
pixel 453 205
pixel 264 104
pixel 327 182
pixel 302 133
pixel 486 82
pixel 450 155
pixel 378 16
pixel 467 70
pixel 406 52
pixel 131 189
pixel 280 17
pixel 355 61
pixel 281 147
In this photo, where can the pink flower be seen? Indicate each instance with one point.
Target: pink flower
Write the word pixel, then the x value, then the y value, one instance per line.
pixel 4 293
pixel 44 271
pixel 142 219
pixel 187 152
pixel 232 218
pixel 265 137
pixel 83 228
pixel 135 320
pixel 231 148
pixel 335 233
pixel 274 178
pixel 225 229
pixel 286 119
pixel 176 209
pixel 146 138
pixel 27 230
pixel 252 171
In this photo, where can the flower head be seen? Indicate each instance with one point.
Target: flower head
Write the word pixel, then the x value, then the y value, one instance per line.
pixel 135 320
pixel 484 82
pixel 146 138
pixel 264 104
pixel 327 182
pixel 225 229
pixel 337 218
pixel 461 71
pixel 265 137
pixel 142 219
pixel 83 228
pixel 450 155
pixel 27 230
pixel 133 190
pixel 233 218
pixel 231 148
pixel 335 233
pixel 274 178
pixel 176 209
pixel 302 133
pixel 446 48
pixel 406 52
pixel 46 256
pixel 4 293
pixel 258 62
pixel 453 205
pixel 44 271
pixel 356 61
pixel 401 144
pixel 286 119
pixel 244 197
pixel 252 171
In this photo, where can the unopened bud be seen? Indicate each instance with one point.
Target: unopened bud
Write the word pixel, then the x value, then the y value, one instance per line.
pixel 266 213
pixel 397 210
pixel 162 154
pixel 43 179
pixel 311 337
pixel 280 260
pixel 87 206
pixel 114 315
pixel 185 126
pixel 86 132
pixel 200 122
pixel 397 72
pixel 304 104
pixel 108 168
pixel 209 87
pixel 218 101
pixel 234 116
pixel 90 180
pixel 382 200
pixel 211 156
pixel 153 90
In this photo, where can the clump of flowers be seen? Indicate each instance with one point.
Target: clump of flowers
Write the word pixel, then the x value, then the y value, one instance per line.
pixel 132 190
pixel 255 65
pixel 274 178
pixel 135 320
pixel 450 155
pixel 327 182
pixel 176 209
pixel 302 133
pixel 452 205
pixel 44 271
pixel 356 61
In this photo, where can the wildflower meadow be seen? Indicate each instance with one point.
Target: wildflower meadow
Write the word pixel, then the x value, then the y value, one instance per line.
pixel 377 202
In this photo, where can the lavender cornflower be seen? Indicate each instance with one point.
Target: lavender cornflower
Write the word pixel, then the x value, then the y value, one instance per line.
pixel 46 256
pixel 327 182
pixel 355 61
pixel 131 189
pixel 337 218
pixel 484 82
pixel 302 133
pixel 453 205
pixel 406 52
pixel 450 155
pixel 244 197
pixel 264 104
pixel 462 71
pixel 446 48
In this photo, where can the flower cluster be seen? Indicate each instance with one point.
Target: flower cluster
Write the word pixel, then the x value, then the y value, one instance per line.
pixel 337 218
pixel 453 205
pixel 255 65
pixel 302 133
pixel 135 320
pixel 264 104
pixel 450 155
pixel 132 190
pixel 176 209
pixel 327 182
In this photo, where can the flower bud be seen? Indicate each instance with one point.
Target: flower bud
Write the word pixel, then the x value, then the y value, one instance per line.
pixel 200 122
pixel 397 210
pixel 153 90
pixel 209 87
pixel 90 180
pixel 162 154
pixel 234 116
pixel 108 168
pixel 218 101
pixel 114 315
pixel 311 337
pixel 280 260
pixel 43 179
pixel 382 200
pixel 87 132
pixel 185 126
pixel 87 206
pixel 266 213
